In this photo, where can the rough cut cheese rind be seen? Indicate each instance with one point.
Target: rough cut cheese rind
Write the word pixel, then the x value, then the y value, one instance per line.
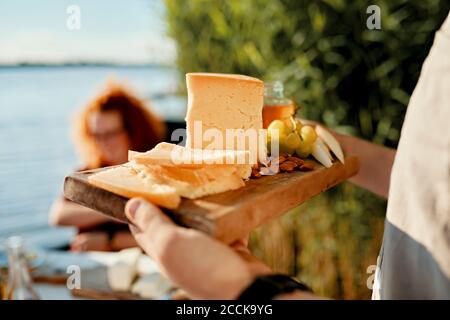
pixel 220 102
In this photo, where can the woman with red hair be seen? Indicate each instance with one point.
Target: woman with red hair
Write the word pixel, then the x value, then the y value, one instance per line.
pixel 110 125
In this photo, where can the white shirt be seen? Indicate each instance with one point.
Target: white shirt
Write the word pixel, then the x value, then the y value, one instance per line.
pixel 414 262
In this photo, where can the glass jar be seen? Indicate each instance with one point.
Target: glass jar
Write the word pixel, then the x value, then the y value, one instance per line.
pixel 276 105
pixel 19 286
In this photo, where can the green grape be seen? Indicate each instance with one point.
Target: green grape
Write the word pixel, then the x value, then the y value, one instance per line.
pixel 277 126
pixel 290 125
pixel 298 127
pixel 284 148
pixel 304 150
pixel 293 140
pixel 308 134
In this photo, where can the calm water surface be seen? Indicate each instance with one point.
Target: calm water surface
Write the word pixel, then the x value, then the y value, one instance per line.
pixel 36 105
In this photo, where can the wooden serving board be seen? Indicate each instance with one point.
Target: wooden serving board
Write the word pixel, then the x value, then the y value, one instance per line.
pixel 230 215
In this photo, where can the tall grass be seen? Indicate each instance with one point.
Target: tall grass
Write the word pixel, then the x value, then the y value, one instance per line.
pixel 355 80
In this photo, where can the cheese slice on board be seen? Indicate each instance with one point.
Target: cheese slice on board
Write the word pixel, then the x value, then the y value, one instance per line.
pixel 195 182
pixel 125 181
pixel 164 185
pixel 217 102
pixel 167 154
pixel 171 154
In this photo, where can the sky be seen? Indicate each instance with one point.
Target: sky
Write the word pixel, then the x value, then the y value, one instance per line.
pixel 115 31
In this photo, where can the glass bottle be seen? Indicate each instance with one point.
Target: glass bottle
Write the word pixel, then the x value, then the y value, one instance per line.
pixel 276 105
pixel 19 285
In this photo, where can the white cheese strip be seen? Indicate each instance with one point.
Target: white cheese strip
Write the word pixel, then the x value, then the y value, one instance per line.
pixel 331 142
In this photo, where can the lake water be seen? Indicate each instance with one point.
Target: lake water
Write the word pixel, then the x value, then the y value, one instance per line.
pixel 36 105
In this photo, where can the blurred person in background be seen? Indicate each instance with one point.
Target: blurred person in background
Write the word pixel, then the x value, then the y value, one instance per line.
pixel 114 122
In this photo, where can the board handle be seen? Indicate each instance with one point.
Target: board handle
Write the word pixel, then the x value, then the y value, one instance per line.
pixel 105 202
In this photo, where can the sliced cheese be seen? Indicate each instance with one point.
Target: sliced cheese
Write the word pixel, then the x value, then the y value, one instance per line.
pixel 221 184
pixel 195 182
pixel 124 180
pixel 193 176
pixel 171 154
pixel 217 102
pixel 167 154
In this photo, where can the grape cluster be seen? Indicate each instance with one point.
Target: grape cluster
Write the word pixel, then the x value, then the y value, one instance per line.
pixel 292 137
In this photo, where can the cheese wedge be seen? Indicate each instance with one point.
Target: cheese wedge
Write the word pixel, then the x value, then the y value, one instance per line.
pixel 124 180
pixel 217 102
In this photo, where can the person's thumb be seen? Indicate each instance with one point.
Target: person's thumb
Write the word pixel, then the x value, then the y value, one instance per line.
pixel 144 216
pixel 152 229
